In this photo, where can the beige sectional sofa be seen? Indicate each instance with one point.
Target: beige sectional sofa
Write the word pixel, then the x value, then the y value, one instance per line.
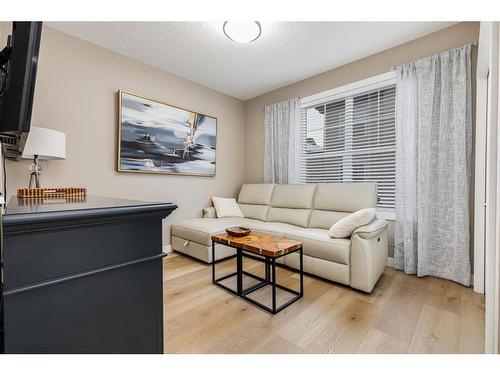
pixel 302 212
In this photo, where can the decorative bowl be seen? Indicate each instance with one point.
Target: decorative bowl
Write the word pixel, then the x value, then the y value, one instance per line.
pixel 238 231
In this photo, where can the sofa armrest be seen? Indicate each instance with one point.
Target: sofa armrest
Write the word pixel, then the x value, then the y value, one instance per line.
pixel 370 230
pixel 209 212
pixel 369 252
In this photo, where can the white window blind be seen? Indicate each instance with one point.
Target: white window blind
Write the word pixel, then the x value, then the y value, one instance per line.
pixel 351 139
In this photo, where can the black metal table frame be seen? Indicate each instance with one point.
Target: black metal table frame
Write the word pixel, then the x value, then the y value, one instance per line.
pixel 270 279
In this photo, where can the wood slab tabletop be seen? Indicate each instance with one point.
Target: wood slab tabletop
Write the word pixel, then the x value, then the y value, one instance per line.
pixel 259 243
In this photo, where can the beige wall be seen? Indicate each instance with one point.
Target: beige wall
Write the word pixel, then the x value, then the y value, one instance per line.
pixel 76 93
pixel 454 36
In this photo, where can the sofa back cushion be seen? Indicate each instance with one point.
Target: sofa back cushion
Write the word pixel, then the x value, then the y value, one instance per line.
pixel 291 204
pixel 254 211
pixel 335 201
pixel 293 196
pixel 324 219
pixel 345 197
pixel 306 205
pixel 294 216
pixel 256 194
pixel 254 200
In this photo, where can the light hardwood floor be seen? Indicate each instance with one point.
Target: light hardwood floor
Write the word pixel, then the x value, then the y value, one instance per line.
pixel 403 314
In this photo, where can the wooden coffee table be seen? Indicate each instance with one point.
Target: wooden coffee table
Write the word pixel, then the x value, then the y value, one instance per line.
pixel 269 248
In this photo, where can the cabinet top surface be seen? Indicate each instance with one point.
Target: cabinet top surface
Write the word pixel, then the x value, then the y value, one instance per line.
pixel 20 206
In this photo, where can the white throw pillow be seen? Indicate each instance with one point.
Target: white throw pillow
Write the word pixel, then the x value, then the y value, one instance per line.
pixel 344 227
pixel 226 207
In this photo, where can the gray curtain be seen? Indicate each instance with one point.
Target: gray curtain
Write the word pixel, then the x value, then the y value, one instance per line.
pixel 281 123
pixel 433 165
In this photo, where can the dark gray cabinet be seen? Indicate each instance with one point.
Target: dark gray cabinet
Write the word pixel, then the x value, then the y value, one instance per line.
pixel 83 276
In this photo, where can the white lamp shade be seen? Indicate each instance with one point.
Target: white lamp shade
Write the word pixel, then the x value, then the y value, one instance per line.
pixel 45 143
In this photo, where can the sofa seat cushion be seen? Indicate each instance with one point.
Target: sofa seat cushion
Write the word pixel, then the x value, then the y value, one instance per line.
pixel 200 230
pixel 317 243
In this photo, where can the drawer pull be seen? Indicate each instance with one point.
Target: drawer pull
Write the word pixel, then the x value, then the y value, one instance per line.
pixel 186 243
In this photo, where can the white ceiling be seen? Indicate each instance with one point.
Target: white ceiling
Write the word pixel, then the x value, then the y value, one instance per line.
pixel 286 52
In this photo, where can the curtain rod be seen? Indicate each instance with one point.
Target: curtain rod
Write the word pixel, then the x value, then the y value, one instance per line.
pixel 474 44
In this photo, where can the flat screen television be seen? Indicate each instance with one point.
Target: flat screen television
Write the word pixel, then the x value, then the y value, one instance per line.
pixel 19 67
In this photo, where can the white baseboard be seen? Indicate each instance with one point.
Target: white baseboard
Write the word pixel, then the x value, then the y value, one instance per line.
pixel 167 248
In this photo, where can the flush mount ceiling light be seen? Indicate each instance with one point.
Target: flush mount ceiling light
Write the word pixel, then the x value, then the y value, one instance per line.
pixel 242 32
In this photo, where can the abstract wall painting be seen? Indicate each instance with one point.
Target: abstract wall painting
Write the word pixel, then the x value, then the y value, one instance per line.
pixel 156 137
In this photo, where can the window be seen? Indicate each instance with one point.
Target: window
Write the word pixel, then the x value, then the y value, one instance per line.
pixel 348 135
